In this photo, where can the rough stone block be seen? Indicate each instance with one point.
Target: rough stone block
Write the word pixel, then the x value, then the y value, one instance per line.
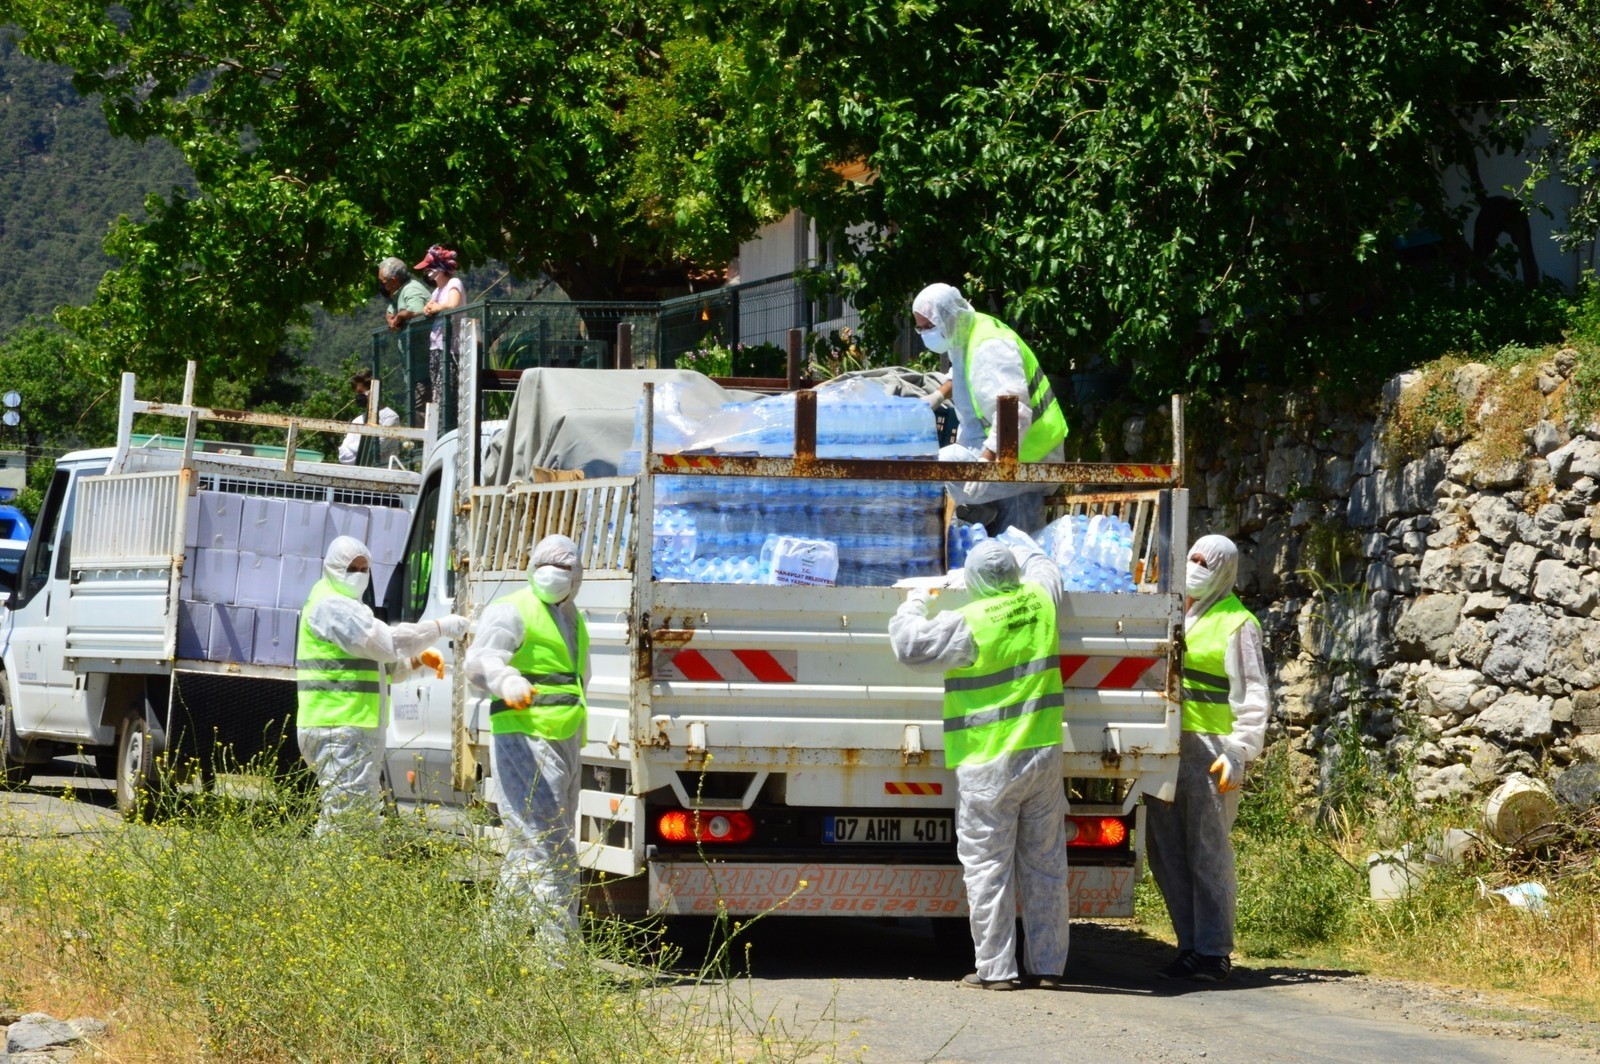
pixel 1426 629
pixel 1517 719
pixel 1521 648
pixel 1495 518
pixel 1564 586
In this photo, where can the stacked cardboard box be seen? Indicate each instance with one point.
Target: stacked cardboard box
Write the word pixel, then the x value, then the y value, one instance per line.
pixel 252 561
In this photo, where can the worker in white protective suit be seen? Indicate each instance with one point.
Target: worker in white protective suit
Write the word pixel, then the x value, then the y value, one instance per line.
pixel 1225 711
pixel 340 659
pixel 531 652
pixel 1000 654
pixel 989 360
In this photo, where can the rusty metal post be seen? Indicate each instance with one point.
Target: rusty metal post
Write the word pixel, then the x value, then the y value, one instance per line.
pixel 625 345
pixel 1007 425
pixel 805 424
pixel 1177 441
pixel 796 348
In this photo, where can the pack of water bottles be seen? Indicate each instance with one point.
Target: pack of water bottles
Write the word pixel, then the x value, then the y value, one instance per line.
pixel 788 530
pixel 959 538
pixel 743 530
pixel 855 419
pixel 1094 553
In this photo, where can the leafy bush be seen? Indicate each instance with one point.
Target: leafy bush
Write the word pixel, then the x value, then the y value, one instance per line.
pixel 1295 890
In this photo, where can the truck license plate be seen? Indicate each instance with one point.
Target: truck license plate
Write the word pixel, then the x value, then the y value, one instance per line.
pixel 889 829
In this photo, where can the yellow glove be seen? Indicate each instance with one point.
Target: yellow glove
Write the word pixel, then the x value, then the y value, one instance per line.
pixel 431 659
pixel 1227 775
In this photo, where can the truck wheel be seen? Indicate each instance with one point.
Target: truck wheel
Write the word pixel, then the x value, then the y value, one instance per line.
pixel 13 773
pixel 138 779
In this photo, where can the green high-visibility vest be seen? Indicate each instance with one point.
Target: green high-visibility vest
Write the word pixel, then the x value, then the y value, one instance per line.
pixel 1010 698
pixel 559 708
pixel 1205 674
pixel 1049 426
pixel 333 688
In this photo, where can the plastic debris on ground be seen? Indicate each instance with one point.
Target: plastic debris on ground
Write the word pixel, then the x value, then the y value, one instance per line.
pixel 1529 897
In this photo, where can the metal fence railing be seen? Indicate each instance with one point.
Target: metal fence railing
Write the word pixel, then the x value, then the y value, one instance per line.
pixel 753 320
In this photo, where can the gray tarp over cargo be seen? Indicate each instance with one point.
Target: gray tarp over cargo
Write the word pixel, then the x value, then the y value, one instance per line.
pixel 584 418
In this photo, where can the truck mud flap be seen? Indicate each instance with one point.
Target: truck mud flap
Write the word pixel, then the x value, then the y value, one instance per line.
pixel 814 889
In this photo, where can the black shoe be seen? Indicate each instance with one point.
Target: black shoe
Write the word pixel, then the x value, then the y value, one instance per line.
pixel 1183 967
pixel 1212 969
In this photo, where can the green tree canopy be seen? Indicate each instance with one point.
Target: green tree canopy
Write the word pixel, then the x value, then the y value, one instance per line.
pixel 1191 188
pixel 1185 186
pixel 1564 49
pixel 324 134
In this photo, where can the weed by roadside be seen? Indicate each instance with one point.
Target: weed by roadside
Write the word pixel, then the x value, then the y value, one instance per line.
pixel 225 932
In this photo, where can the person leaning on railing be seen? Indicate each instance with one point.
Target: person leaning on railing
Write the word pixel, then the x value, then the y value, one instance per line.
pixel 439 265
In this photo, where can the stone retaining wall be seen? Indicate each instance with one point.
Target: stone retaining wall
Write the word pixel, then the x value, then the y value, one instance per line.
pixel 1443 603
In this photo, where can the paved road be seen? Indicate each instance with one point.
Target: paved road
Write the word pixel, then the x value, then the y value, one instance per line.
pixel 886 992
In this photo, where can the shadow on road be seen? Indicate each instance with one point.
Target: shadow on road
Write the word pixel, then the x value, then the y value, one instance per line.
pixel 1105 958
pixel 74 777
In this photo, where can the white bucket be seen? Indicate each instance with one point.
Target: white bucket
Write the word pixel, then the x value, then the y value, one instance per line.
pixel 1392 874
pixel 1518 808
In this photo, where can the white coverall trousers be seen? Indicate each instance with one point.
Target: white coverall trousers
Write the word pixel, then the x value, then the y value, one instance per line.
pixel 539 781
pixel 347 762
pixel 1191 854
pixel 1011 836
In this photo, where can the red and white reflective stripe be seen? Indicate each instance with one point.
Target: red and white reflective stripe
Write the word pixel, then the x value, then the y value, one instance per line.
pixel 1105 673
pixel 727 666
pixel 899 787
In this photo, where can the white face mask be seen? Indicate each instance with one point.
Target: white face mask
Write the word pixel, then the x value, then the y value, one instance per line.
pixel 551 585
pixel 355 584
pixel 1195 579
pixel 934 340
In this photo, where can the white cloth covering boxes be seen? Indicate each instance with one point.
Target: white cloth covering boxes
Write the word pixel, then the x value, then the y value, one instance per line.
pixel 251 562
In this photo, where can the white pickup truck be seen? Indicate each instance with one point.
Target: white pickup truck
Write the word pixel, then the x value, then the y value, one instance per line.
pixel 156 605
pixel 753 747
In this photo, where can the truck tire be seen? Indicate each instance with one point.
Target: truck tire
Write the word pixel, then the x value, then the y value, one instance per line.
pixel 138 775
pixel 13 773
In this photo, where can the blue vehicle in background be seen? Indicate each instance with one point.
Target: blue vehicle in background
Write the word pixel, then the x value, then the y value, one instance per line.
pixel 15 530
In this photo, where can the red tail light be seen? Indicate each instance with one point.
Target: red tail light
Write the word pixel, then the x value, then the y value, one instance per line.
pixel 1099 831
pixel 680 825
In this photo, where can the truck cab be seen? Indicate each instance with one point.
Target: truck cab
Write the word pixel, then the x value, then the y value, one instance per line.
pixel 45 699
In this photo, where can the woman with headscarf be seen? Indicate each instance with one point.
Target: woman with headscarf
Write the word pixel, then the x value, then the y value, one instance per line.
pixel 531 652
pixel 989 360
pixel 439 266
pixel 1225 709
